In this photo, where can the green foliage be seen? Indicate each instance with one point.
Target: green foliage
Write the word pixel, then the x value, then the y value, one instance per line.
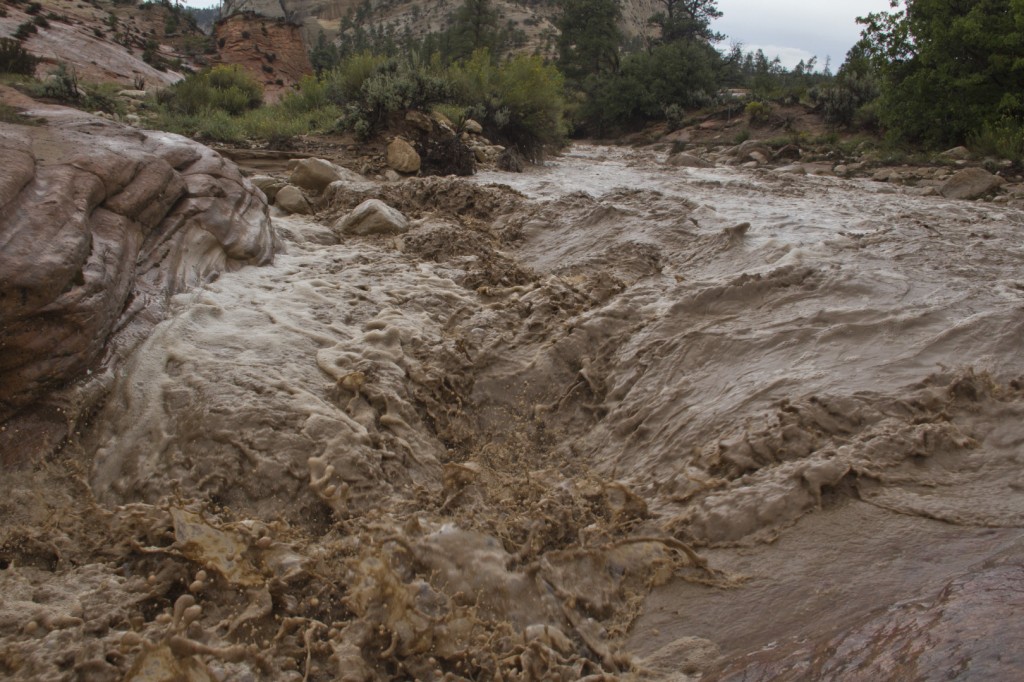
pixel 671 77
pixel 103 97
pixel 947 69
pixel 14 58
pixel 9 114
pixel 223 88
pixel 24 30
pixel 759 112
pixel 1002 139
pixel 521 101
pixel 688 20
pixel 590 38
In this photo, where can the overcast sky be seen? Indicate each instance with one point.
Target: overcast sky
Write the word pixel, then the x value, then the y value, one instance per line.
pixel 790 29
pixel 795 29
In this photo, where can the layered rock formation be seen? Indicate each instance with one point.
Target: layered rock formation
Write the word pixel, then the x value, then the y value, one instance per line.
pixel 100 226
pixel 272 50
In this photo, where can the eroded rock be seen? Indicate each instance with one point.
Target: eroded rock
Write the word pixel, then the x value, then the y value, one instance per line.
pixel 100 226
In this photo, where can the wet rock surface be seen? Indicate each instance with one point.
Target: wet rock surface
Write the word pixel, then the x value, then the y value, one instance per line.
pixel 604 418
pixel 101 226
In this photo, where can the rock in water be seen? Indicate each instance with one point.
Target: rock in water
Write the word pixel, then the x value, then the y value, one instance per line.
pixel 316 174
pixel 291 199
pixel 970 183
pixel 373 216
pixel 101 225
pixel 684 160
pixel 402 157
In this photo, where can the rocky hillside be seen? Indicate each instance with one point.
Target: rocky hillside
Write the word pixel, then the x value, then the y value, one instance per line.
pixel 105 41
pixel 152 44
pixel 533 17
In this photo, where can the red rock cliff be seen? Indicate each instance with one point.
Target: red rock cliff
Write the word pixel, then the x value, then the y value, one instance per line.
pixel 272 50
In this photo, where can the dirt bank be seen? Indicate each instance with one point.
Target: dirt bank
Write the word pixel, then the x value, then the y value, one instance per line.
pixel 620 420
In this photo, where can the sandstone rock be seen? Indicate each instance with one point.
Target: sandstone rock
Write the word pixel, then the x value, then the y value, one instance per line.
pixel 957 153
pixel 472 127
pixel 270 186
pixel 419 120
pixel 402 157
pixel 391 176
pixel 684 160
pixel 792 169
pixel 132 94
pixel 290 198
pixel 970 183
pixel 761 159
pixel 316 174
pixel 101 225
pixel 373 216
pixel 271 50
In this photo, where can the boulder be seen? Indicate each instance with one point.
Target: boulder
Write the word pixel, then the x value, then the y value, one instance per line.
pixel 290 198
pixel 472 127
pixel 789 152
pixel 270 186
pixel 744 151
pixel 101 225
pixel 373 216
pixel 970 183
pixel 316 174
pixel 402 157
pixel 684 160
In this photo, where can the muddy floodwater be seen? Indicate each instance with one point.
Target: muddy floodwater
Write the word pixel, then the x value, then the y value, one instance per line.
pixel 608 419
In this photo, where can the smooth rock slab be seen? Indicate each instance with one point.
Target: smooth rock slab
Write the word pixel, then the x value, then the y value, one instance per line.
pixel 373 216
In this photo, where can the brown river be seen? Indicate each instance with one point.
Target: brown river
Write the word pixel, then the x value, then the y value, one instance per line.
pixel 608 419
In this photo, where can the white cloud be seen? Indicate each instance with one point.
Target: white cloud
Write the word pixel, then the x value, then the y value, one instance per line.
pixel 796 28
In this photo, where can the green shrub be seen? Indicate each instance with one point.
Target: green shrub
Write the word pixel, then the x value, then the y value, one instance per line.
pixel 1002 139
pixel 14 58
pixel 520 102
pixel 343 84
pixel 103 97
pixel 24 30
pixel 222 88
pixel 759 112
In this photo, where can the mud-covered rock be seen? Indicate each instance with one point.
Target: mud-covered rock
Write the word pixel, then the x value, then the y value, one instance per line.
pixel 100 226
pixel 373 217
